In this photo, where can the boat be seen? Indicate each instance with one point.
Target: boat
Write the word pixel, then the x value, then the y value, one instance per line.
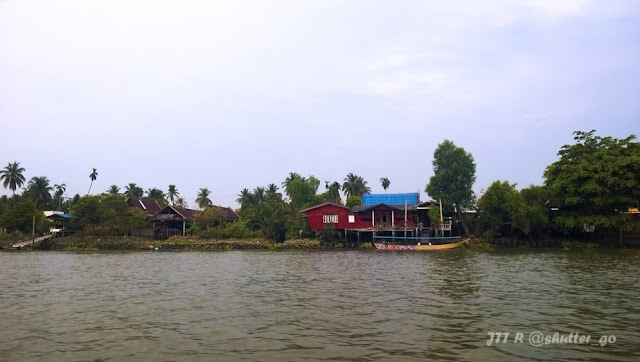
pixel 419 246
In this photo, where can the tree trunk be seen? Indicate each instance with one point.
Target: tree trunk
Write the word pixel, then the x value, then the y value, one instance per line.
pixel 464 224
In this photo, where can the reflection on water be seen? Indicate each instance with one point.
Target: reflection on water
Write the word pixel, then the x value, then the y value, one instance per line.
pixel 347 305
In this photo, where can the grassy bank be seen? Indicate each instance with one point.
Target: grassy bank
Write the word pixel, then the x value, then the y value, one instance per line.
pixel 90 243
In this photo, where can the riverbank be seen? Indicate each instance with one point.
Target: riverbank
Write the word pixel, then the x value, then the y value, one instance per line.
pixel 94 243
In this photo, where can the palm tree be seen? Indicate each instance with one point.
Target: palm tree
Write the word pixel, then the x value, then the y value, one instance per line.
pixel 333 192
pixel 203 198
pixel 385 183
pixel 292 177
pixel 180 202
pixel 173 193
pixel 156 194
pixel 259 195
pixel 93 177
pixel 12 177
pixel 245 198
pixel 133 191
pixel 272 193
pixel 355 186
pixel 40 191
pixel 113 190
pixel 60 189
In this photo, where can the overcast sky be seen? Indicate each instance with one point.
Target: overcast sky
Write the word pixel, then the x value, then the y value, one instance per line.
pixel 234 94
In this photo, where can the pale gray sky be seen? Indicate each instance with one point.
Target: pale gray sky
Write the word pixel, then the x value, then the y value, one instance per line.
pixel 234 94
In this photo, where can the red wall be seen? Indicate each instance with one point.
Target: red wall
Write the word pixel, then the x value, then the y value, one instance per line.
pixel 316 216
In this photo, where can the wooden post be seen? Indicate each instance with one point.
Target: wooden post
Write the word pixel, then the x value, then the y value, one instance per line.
pixel 33 231
pixel 184 227
pixel 373 218
pixel 393 218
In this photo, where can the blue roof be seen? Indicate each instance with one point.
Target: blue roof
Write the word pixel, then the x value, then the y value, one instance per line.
pixel 62 215
pixel 390 199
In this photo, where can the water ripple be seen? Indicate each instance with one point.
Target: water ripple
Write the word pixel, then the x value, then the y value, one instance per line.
pixel 316 305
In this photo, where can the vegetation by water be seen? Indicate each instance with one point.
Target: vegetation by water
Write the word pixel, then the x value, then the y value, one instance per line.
pixel 589 187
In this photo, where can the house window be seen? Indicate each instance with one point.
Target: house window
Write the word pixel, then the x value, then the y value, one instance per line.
pixel 330 218
pixel 352 219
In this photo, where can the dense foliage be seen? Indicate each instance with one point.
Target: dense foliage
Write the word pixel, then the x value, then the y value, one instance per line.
pixel 454 175
pixel 595 180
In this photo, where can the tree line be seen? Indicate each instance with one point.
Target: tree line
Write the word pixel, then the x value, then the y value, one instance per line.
pixel 591 185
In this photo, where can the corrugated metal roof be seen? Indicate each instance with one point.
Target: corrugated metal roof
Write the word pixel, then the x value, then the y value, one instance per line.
pixel 390 199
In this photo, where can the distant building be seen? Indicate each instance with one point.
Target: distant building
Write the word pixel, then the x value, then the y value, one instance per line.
pixel 380 215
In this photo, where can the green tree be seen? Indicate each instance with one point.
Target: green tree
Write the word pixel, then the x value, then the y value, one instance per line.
pixel 333 193
pixel 180 202
pixel 203 200
pixel 93 176
pixel 454 175
pixel 245 198
pixel 12 177
pixel 20 216
pixel 39 191
pixel 113 190
pixel 132 191
pixel 503 207
pixel 293 176
pixel 385 183
pixel 272 193
pixel 173 194
pixel 354 201
pixel 210 217
pixel 302 191
pixel 59 191
pixel 595 181
pixel 355 186
pixel 157 195
pixel 270 218
pixel 259 194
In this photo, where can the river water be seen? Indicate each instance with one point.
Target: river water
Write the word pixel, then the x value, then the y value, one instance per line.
pixel 319 305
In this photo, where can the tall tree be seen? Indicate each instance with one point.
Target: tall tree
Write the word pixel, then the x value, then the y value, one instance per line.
pixel 293 176
pixel 40 191
pixel 173 193
pixel 245 198
pixel 259 194
pixel 180 202
pixel 203 200
pixel 355 186
pixel 59 190
pixel 132 191
pixel 113 190
pixel 156 194
pixel 272 192
pixel 595 181
pixel 333 192
pixel 454 175
pixel 385 183
pixel 12 177
pixel 93 176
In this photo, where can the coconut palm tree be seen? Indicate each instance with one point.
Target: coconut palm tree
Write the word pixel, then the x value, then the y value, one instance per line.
pixel 245 198
pixel 355 186
pixel 12 178
pixel 203 198
pixel 272 193
pixel 156 194
pixel 173 193
pixel 180 202
pixel 40 191
pixel 93 177
pixel 385 183
pixel 113 190
pixel 333 192
pixel 259 195
pixel 132 191
pixel 292 177
pixel 59 190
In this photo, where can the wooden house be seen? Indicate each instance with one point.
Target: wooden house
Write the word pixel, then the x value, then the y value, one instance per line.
pixel 381 215
pixel 174 220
